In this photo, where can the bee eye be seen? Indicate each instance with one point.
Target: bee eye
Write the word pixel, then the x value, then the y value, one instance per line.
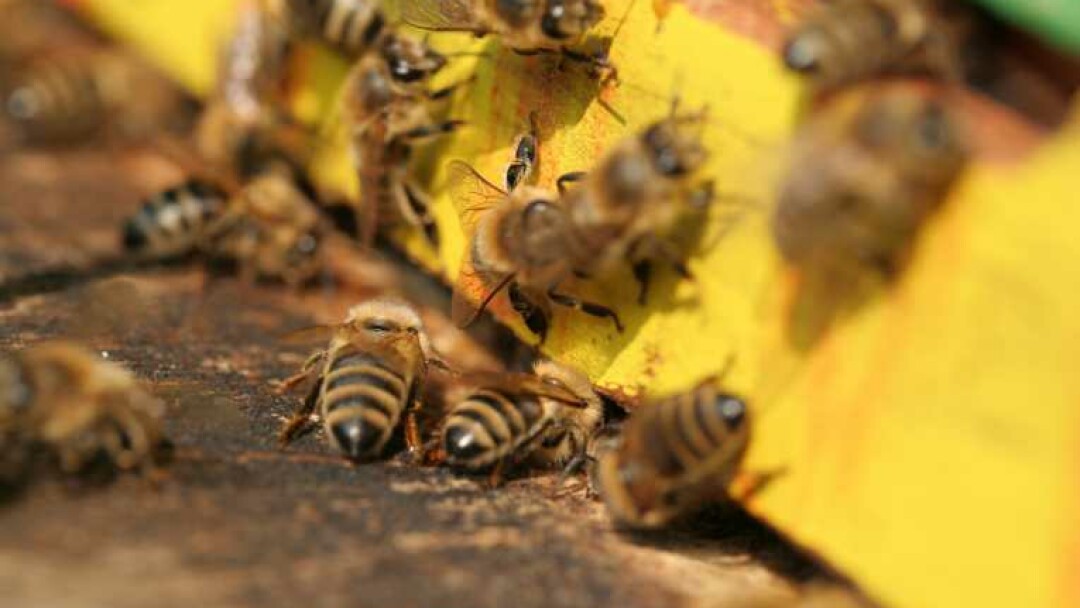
pixel 380 326
pixel 413 331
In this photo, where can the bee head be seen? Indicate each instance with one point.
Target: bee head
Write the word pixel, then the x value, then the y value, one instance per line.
pixel 388 318
pixel 674 145
pixel 410 60
pixel 566 19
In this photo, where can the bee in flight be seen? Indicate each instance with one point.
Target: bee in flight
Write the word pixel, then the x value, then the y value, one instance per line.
pixel 624 208
pixel 528 28
pixel 864 176
pixel 851 40
pixel 674 455
pixel 65 399
pixel 368 378
pixel 385 105
pixel 521 240
pixel 546 418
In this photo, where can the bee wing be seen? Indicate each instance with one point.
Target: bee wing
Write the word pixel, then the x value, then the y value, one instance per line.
pixel 524 384
pixel 472 194
pixel 435 15
pixel 473 291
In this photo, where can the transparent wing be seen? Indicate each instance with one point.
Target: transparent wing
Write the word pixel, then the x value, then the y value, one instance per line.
pixel 524 385
pixel 473 291
pixel 307 335
pixel 472 194
pixel 434 15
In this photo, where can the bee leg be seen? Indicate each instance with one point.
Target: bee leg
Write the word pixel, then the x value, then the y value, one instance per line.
pixel 569 178
pixel 305 372
pixel 589 308
pixel 300 419
pixel 642 273
pixel 495 478
pixel 413 441
pixel 600 67
pixel 434 455
pixel 439 128
pixel 446 91
pixel 420 209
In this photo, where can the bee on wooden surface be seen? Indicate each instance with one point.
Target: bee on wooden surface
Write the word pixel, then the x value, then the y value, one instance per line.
pixel 674 455
pixel 528 28
pixel 385 95
pixel 522 241
pixel 864 177
pixel 68 97
pixel 368 378
pixel 628 203
pixel 242 126
pixel 547 418
pixel 79 408
pixel 176 221
pixel 851 40
pixel 350 27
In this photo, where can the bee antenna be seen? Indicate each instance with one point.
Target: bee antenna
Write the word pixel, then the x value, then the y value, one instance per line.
pixel 622 21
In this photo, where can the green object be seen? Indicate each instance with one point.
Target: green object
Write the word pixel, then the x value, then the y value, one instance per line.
pixel 1055 21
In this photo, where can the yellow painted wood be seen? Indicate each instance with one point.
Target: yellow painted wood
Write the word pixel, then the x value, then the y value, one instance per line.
pixel 929 442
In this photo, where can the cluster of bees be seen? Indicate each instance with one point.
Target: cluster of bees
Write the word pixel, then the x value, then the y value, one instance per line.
pixel 866 174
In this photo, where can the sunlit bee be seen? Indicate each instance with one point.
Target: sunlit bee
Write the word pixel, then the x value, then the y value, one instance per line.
pixel 674 455
pixel 626 206
pixel 863 178
pixel 386 95
pixel 367 380
pixel 79 408
pixel 547 417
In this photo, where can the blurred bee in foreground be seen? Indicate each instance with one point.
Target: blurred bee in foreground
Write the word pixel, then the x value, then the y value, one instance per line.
pixel 547 418
pixel 850 40
pixel 864 176
pixel 350 27
pixel 66 97
pixel 78 408
pixel 528 28
pixel 674 455
pixel 385 95
pixel 626 205
pixel 369 377
pixel 242 127
pixel 521 240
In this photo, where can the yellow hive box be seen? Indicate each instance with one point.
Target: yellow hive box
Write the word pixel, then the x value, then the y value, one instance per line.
pixel 930 443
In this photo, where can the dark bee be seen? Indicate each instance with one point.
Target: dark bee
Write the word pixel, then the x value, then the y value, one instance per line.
pixel 366 380
pixel 176 221
pixel 548 417
pixel 350 27
pixel 674 455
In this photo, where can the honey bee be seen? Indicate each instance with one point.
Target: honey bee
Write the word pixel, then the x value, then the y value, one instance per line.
pixel 64 98
pixel 78 408
pixel 636 193
pixel 384 104
pixel 547 417
pixel 350 27
pixel 242 126
pixel 368 378
pixel 851 40
pixel 527 28
pixel 674 454
pixel 522 241
pixel 864 176
pixel 176 221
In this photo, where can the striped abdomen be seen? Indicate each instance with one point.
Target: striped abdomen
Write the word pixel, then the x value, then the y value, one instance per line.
pixel 678 436
pixel 362 400
pixel 58 100
pixel 176 220
pixel 349 26
pixel 490 425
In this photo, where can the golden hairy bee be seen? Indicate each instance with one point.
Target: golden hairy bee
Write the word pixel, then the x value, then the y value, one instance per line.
pixel 386 107
pixel 674 455
pixel 525 26
pixel 521 240
pixel 864 176
pixel 546 418
pixel 67 96
pixel 850 40
pixel 626 206
pixel 367 380
pixel 79 408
